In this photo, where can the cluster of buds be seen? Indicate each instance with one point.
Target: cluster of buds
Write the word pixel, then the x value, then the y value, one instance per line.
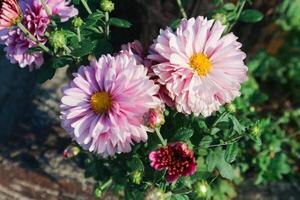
pixel 58 39
pixel 107 5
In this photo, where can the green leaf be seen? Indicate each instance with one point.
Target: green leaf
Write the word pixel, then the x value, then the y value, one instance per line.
pixel 212 160
pixel 175 23
pixel 231 152
pixel 183 134
pixel 180 197
pixel 226 170
pixel 229 6
pixel 122 23
pixel 60 62
pixel 251 16
pixel 136 164
pixel 45 73
pixel 205 142
pixel 85 47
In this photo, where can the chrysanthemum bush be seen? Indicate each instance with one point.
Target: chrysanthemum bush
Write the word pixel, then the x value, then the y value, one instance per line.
pixel 164 121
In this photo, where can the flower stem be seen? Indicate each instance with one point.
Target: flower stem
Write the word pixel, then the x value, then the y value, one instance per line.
pixel 86 6
pixel 218 120
pixel 78 34
pixel 31 37
pixel 162 140
pixel 68 50
pixel 232 141
pixel 49 13
pixel 183 13
pixel 107 23
pixel 239 9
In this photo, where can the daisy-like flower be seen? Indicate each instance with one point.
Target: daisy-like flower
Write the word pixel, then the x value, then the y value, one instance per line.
pixel 176 158
pixel 199 69
pixel 10 12
pixel 36 20
pixel 103 107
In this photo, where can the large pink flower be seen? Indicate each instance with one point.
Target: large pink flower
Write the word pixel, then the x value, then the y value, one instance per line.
pixel 9 12
pixel 36 21
pixel 199 69
pixel 103 107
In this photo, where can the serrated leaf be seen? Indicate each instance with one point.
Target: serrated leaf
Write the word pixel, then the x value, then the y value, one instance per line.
pixel 251 16
pixel 122 23
pixel 231 152
pixel 60 62
pixel 212 160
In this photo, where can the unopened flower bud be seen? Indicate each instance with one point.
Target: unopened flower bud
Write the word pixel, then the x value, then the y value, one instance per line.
pixel 71 151
pixel 201 188
pixel 57 39
pixel 255 130
pixel 107 5
pixel 136 177
pixel 154 118
pixel 231 108
pixel 98 192
pixel 220 17
pixel 77 22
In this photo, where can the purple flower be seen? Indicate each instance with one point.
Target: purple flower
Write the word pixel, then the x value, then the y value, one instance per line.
pixel 35 19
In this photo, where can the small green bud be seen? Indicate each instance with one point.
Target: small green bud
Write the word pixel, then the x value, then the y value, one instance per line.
pixel 57 39
pixel 157 194
pixel 220 17
pixel 136 177
pixel 231 108
pixel 77 22
pixel 201 188
pixel 107 5
pixel 255 130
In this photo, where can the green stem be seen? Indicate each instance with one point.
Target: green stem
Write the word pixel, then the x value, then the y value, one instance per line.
pixel 68 50
pixel 31 37
pixel 86 6
pixel 107 23
pixel 239 9
pixel 106 184
pixel 183 13
pixel 232 141
pixel 163 142
pixel 49 13
pixel 78 34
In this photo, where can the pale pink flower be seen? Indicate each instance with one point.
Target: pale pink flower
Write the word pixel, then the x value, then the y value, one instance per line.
pixel 199 68
pixel 103 107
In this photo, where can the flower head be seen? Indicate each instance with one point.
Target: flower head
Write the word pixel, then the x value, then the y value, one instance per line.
pixel 36 20
pixel 199 69
pixel 10 12
pixel 176 158
pixel 154 118
pixel 103 107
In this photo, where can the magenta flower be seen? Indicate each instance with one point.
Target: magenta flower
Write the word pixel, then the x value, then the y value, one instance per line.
pixel 103 107
pixel 176 158
pixel 9 13
pixel 199 69
pixel 36 21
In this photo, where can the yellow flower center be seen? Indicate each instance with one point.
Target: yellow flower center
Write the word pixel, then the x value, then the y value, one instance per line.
pixel 101 102
pixel 200 63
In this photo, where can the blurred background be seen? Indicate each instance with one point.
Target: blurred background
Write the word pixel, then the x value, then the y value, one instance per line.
pixel 32 142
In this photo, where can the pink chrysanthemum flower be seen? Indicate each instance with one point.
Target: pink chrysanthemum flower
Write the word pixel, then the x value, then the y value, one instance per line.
pixel 176 158
pixel 199 69
pixel 9 13
pixel 36 21
pixel 103 107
